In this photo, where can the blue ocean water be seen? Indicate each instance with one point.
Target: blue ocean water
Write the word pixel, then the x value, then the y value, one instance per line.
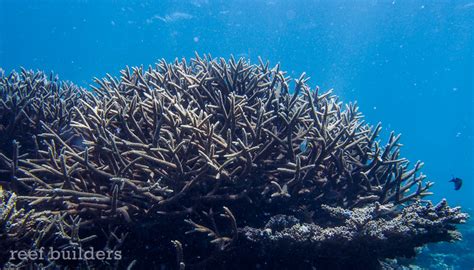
pixel 408 64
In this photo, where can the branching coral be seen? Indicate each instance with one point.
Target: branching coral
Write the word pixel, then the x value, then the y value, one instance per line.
pixel 179 140
pixel 28 99
pixel 26 230
pixel 22 229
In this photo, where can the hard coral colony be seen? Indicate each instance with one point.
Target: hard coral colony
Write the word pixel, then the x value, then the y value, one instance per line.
pixel 201 165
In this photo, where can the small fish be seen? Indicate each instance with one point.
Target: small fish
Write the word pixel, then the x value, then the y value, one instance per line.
pixel 457 183
pixel 304 146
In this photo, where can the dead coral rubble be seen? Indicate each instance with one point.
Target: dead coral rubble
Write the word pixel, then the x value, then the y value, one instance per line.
pixel 189 141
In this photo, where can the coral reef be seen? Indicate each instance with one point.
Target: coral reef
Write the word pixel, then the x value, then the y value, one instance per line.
pixel 16 226
pixel 437 256
pixel 336 240
pixel 28 99
pixel 196 161
pixel 27 230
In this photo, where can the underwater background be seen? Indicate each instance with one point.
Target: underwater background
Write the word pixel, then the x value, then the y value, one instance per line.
pixel 408 64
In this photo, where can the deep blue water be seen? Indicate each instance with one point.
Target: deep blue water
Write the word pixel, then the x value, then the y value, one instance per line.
pixel 409 64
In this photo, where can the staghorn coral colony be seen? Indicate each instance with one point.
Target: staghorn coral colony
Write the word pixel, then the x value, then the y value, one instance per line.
pixel 210 164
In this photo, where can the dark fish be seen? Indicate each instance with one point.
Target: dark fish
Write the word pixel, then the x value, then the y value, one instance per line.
pixel 457 183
